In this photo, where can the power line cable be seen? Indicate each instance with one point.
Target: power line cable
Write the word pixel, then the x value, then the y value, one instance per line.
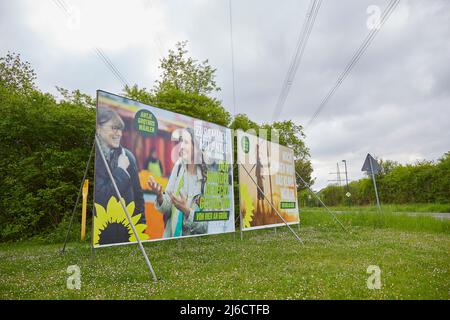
pixel 308 24
pixel 295 61
pixel 62 6
pixel 156 40
pixel 111 66
pixel 367 41
pixel 232 56
pixel 99 52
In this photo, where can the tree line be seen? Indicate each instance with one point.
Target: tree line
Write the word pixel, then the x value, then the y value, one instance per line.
pixel 422 182
pixel 46 141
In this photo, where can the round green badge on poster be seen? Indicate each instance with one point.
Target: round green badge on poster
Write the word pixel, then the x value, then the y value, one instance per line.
pixel 145 123
pixel 245 142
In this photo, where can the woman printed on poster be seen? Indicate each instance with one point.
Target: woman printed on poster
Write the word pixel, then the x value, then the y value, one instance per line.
pixel 121 162
pixel 186 185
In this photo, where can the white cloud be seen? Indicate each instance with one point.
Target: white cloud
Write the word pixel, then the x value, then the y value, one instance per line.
pixel 109 24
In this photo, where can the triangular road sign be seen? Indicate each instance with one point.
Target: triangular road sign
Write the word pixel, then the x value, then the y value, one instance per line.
pixel 367 167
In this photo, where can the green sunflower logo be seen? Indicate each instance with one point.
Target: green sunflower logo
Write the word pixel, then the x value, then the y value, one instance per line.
pixel 245 142
pixel 111 225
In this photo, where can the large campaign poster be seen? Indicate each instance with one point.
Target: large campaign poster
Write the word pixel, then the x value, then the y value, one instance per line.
pixel 266 181
pixel 173 172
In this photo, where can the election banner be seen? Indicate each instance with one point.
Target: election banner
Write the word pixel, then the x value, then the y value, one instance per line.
pixel 266 176
pixel 173 172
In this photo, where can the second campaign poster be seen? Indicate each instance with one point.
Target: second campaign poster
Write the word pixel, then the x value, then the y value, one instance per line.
pixel 266 181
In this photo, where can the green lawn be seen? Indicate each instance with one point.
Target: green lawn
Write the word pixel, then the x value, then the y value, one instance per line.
pixel 412 252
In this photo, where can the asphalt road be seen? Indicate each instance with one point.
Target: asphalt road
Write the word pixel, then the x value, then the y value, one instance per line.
pixel 437 215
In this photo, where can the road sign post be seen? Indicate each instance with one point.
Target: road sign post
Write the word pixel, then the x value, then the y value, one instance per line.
pixel 348 194
pixel 372 167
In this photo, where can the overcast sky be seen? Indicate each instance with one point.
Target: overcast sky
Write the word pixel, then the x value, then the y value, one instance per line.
pixel 395 104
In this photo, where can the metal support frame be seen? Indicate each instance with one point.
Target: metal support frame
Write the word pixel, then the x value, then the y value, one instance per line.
pixel 240 221
pixel 239 196
pixel 63 250
pixel 116 189
pixel 318 198
pixel 273 207
pixel 91 243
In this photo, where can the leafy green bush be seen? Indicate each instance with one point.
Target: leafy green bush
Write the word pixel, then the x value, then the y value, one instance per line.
pixel 45 146
pixel 45 143
pixel 422 182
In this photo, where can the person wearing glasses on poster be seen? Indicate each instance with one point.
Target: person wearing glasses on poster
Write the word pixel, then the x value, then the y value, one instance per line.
pixel 121 162
pixel 184 189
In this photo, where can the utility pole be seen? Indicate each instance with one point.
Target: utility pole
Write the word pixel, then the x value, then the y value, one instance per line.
pixel 348 195
pixel 338 175
pixel 338 180
pixel 346 176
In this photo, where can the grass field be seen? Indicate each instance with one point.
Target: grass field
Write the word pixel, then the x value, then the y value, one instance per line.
pixel 413 253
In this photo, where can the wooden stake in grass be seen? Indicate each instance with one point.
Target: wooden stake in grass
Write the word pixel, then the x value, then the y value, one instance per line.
pixel 83 210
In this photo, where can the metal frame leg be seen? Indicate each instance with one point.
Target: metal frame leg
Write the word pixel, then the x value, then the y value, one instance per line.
pixel 273 207
pixel 63 250
pixel 116 189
